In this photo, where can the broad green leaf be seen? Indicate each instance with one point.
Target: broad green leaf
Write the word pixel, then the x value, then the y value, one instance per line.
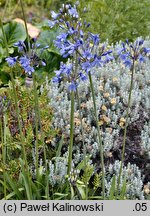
pixel 50 55
pixel 14 32
pixel 47 38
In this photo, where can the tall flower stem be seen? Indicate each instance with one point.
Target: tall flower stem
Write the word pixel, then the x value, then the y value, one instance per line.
pixel 84 147
pixel 99 136
pixel 21 135
pixel 72 118
pixel 18 116
pixel 17 110
pixel 25 23
pixel 39 118
pixel 18 119
pixel 71 131
pixel 126 125
pixel 4 148
pixel 36 125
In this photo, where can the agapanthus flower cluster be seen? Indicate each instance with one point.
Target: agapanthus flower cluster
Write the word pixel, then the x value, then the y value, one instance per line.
pixel 75 42
pixel 133 52
pixel 28 60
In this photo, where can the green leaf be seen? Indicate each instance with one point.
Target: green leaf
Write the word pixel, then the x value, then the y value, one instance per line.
pixel 9 196
pixel 14 32
pixel 3 53
pixel 14 186
pixel 81 165
pixel 60 195
pixel 27 186
pixel 36 190
pixel 81 189
pixel 112 189
pixel 123 190
pixel 26 180
pixel 50 55
pixel 72 192
pixel 47 38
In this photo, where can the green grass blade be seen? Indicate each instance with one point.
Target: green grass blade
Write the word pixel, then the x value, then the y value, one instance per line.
pixel 123 190
pixel 14 186
pixel 112 189
pixel 10 195
pixel 27 185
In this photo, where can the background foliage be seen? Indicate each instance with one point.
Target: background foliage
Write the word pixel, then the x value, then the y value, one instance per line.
pixel 118 19
pixel 113 19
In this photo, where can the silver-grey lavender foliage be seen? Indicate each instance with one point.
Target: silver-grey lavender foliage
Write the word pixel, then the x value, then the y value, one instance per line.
pixel 111 84
pixel 134 180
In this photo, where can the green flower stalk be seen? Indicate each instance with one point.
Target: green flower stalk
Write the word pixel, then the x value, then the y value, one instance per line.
pixel 71 132
pixel 18 117
pixel 4 148
pixel 84 146
pixel 126 125
pixel 129 54
pixel 99 136
pixel 91 54
pixel 25 23
pixel 36 125
pixel 21 136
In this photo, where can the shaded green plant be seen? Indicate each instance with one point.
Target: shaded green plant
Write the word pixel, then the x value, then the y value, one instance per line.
pixel 51 55
pixel 14 32
pixel 26 105
pixel 117 20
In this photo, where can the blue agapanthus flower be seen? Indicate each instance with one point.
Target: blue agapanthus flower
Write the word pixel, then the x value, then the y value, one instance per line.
pixel 83 77
pixel 26 64
pixel 131 52
pixel 64 69
pixel 73 12
pixel 141 58
pixel 97 61
pixel 21 46
pixel 72 86
pixel 146 50
pixel 54 15
pixel 29 59
pixel 12 61
pixel 95 38
pixel 83 48
pixel 24 61
pixel 52 23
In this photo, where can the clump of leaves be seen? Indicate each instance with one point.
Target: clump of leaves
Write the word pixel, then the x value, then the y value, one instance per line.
pixel 26 105
pixel 118 19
